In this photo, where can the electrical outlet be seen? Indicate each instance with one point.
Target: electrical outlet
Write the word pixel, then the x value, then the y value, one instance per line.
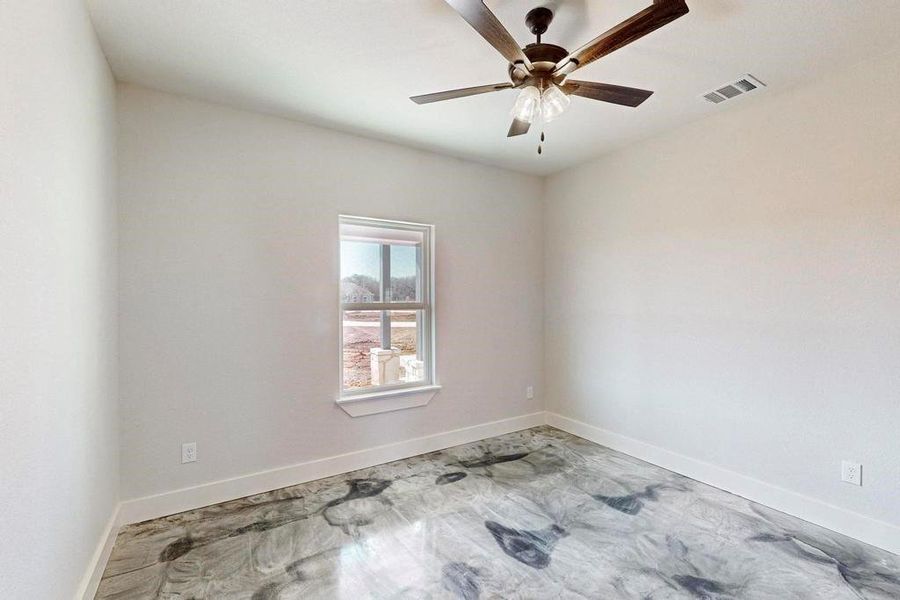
pixel 189 452
pixel 851 472
pixel 529 392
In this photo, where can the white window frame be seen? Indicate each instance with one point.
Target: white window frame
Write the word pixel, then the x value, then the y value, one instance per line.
pixel 382 398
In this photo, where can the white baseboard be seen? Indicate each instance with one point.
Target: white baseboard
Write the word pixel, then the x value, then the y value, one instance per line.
pixel 855 525
pixel 88 587
pixel 168 503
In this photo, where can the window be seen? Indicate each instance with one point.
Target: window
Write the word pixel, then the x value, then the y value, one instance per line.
pixel 386 307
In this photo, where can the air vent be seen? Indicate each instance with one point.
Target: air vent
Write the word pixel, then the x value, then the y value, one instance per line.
pixel 744 85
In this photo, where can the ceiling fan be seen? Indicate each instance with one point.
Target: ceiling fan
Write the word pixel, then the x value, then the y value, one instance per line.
pixel 541 71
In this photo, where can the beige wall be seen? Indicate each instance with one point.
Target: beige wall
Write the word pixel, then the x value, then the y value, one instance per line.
pixel 229 288
pixel 730 291
pixel 58 421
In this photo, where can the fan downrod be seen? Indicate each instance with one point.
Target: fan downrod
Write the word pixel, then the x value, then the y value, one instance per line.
pixel 538 20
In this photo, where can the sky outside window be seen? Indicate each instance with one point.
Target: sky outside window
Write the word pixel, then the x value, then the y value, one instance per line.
pixel 364 258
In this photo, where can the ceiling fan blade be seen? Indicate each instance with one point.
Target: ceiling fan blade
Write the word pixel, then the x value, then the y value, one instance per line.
pixel 605 92
pixel 660 13
pixel 491 29
pixel 460 93
pixel 518 127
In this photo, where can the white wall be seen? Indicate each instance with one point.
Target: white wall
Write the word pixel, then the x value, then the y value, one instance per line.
pixel 730 291
pixel 229 288
pixel 58 421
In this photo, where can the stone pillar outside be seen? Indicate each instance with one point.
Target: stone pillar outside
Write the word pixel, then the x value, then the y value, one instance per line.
pixel 385 365
pixel 412 369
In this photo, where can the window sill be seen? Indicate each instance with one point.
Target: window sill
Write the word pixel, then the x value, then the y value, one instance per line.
pixel 379 402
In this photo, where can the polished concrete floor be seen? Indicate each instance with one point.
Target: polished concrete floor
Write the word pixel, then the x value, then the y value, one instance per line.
pixel 531 515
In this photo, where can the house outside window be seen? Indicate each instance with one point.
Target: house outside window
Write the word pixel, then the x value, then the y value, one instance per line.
pixel 386 303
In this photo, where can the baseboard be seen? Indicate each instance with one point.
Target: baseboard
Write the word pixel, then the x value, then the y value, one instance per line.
pixel 160 505
pixel 855 525
pixel 88 587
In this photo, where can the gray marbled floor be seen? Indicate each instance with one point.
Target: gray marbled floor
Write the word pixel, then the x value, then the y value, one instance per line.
pixel 533 514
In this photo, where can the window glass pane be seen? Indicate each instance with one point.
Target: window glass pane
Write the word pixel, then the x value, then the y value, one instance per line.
pixel 360 272
pixel 405 273
pixel 405 341
pixel 361 334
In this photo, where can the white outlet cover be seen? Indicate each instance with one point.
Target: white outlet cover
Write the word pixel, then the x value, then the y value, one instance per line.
pixel 529 392
pixel 851 472
pixel 189 452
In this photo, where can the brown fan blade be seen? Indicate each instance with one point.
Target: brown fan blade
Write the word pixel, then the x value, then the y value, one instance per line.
pixel 491 29
pixel 460 93
pixel 605 92
pixel 518 127
pixel 648 20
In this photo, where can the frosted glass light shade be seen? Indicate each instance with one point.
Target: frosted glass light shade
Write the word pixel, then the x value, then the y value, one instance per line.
pixel 553 102
pixel 527 105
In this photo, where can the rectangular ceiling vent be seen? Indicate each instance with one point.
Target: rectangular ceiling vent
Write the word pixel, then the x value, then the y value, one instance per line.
pixel 743 85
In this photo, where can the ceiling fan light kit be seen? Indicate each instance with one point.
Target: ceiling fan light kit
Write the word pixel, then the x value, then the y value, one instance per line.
pixel 528 105
pixel 541 71
pixel 533 104
pixel 553 102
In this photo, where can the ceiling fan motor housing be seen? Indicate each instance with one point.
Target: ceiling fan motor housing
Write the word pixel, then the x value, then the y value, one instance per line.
pixel 543 59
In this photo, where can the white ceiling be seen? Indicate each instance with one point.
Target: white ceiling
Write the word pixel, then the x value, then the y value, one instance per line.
pixel 352 64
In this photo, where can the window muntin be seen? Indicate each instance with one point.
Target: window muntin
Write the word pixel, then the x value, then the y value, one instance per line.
pixel 386 319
